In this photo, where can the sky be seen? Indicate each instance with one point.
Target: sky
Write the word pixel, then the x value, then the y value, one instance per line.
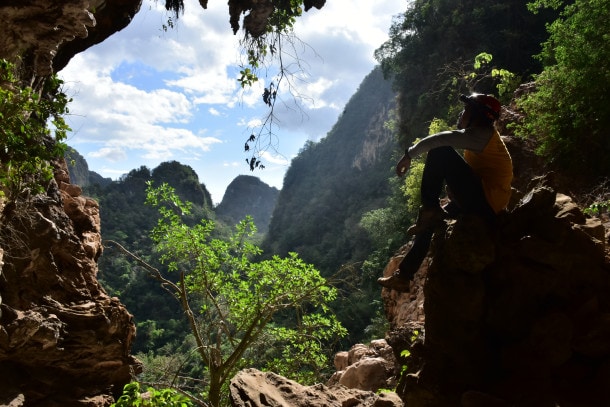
pixel 147 95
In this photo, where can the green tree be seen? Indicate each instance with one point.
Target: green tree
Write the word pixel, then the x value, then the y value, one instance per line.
pixel 231 302
pixel 27 145
pixel 569 111
pixel 128 220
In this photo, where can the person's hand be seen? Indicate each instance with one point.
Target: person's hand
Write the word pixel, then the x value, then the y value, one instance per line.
pixel 403 165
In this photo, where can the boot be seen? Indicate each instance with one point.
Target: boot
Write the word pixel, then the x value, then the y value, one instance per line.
pixel 395 282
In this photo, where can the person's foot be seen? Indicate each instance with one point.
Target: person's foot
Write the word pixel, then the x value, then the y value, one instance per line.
pixel 427 219
pixel 395 282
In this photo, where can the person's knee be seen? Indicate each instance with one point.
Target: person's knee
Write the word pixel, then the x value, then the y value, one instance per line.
pixel 443 158
pixel 443 151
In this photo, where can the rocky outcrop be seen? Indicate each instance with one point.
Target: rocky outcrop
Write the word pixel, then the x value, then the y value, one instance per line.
pixel 365 374
pixel 63 340
pixel 366 367
pixel 44 35
pixel 253 388
pixel 517 315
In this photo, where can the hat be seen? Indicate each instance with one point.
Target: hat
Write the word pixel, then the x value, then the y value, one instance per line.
pixel 487 103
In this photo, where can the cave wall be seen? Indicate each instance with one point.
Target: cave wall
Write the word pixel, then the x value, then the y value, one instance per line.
pixel 63 340
pixel 41 36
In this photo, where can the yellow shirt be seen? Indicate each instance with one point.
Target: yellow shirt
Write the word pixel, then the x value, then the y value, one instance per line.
pixel 495 168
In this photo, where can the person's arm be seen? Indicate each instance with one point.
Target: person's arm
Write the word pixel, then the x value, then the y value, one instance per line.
pixel 471 138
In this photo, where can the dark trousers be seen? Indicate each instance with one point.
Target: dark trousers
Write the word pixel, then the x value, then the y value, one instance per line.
pixel 445 166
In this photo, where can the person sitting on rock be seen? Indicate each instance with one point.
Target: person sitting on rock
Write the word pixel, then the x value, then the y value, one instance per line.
pixel 478 183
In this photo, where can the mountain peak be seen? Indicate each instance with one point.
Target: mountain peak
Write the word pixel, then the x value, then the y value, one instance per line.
pixel 248 195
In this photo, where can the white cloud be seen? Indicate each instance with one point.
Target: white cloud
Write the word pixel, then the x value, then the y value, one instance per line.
pixel 275 158
pixel 214 112
pixel 146 95
pixel 112 154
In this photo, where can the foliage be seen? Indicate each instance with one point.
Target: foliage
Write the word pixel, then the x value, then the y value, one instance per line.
pixel 132 397
pixel 411 186
pixel 128 220
pixel 431 41
pixel 26 143
pixel 231 302
pixel 598 208
pixel 569 111
pixel 406 353
pixel 273 52
pixel 300 353
pixel 258 47
pixel 505 81
pixel 260 52
pixel 597 202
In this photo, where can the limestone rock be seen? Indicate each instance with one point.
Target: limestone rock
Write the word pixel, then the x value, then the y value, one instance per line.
pixel 514 315
pixel 365 367
pixel 63 340
pixel 367 374
pixel 253 388
pixel 57 30
pixel 402 308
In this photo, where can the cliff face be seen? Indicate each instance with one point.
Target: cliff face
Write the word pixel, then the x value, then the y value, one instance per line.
pixel 63 340
pixel 332 183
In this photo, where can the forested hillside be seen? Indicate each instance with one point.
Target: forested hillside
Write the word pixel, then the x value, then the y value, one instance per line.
pixel 127 220
pixel 330 184
pixel 432 48
pixel 327 189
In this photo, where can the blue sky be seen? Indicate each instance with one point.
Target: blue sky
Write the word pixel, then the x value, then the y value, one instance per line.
pixel 145 95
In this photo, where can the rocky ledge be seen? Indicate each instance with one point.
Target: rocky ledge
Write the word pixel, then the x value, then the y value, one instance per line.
pixel 63 340
pixel 518 315
pixel 253 388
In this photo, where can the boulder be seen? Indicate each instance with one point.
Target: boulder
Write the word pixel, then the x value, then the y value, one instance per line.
pixel 366 367
pixel 253 388
pixel 517 314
